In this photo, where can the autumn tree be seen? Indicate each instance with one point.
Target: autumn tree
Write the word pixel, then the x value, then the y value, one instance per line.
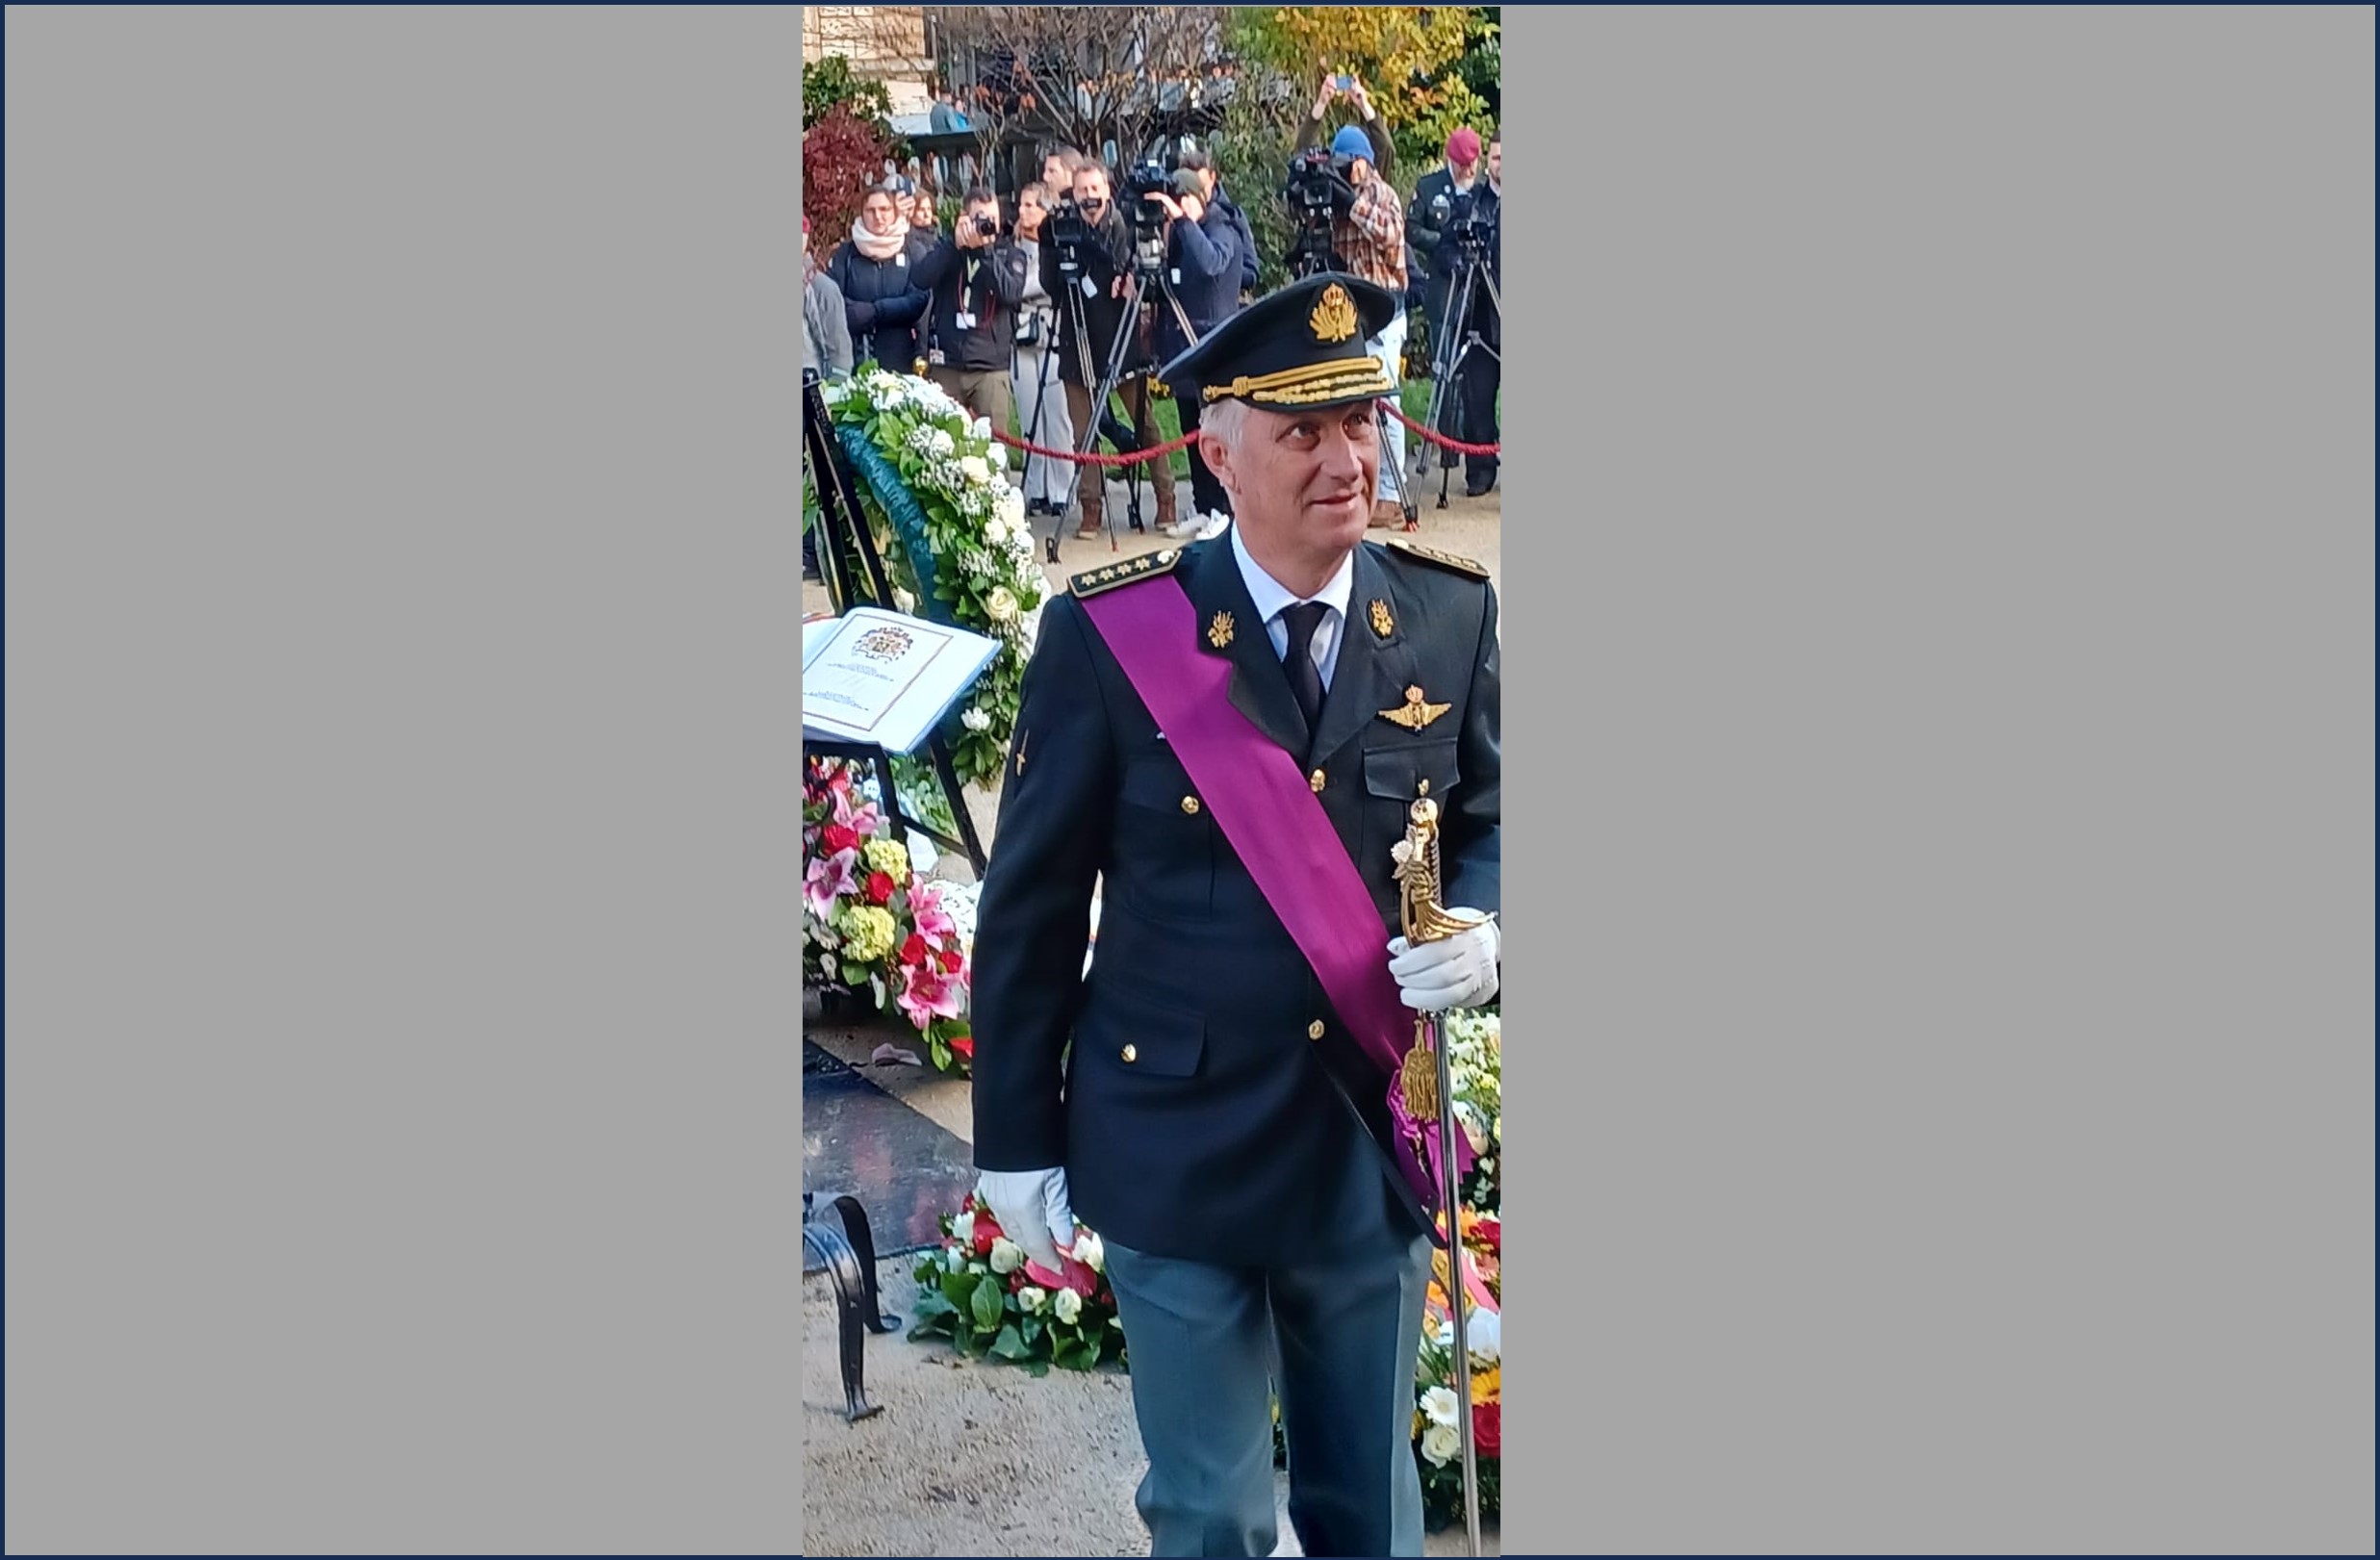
pixel 1411 60
pixel 1083 75
pixel 841 156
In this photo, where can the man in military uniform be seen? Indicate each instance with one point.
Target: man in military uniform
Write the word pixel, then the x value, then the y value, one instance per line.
pixel 1215 1095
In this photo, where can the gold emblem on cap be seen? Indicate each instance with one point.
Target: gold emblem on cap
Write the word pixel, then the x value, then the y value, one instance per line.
pixel 1415 712
pixel 1334 317
pixel 1218 632
pixel 1381 622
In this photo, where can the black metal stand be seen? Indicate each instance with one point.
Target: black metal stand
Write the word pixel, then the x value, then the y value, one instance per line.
pixel 847 1253
pixel 843 542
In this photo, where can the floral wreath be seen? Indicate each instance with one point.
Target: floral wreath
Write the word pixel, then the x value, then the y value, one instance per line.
pixel 936 480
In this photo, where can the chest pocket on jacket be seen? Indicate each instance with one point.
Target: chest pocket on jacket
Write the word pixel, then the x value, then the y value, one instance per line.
pixel 1166 846
pixel 1392 782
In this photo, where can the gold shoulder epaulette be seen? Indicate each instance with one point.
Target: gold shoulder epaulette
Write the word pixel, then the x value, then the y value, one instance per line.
pixel 1445 560
pixel 1147 566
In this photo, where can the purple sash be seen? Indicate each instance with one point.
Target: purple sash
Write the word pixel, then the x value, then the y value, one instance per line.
pixel 1260 799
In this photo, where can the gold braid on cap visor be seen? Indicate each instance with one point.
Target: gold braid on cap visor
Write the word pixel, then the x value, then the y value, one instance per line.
pixel 1336 380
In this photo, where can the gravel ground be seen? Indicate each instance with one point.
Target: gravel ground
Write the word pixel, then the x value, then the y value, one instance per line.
pixel 978 1458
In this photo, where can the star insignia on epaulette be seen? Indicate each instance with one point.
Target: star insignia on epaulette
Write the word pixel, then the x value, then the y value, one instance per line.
pixel 1147 566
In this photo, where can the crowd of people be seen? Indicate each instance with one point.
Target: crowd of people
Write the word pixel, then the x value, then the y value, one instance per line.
pixel 1023 318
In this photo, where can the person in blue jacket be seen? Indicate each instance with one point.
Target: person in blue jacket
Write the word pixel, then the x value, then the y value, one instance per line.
pixel 1206 260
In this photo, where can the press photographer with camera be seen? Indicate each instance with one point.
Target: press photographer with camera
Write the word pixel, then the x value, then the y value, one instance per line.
pixel 1201 162
pixel 1086 265
pixel 1204 264
pixel 1455 224
pixel 1351 221
pixel 1040 395
pixel 978 279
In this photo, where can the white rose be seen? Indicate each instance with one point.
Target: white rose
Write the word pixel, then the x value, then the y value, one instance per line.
pixel 1007 1256
pixel 1439 1403
pixel 955 1260
pixel 983 428
pixel 1013 507
pixel 1091 1252
pixel 975 720
pixel 996 530
pixel 1032 1297
pixel 1484 1331
pixel 962 1230
pixel 1069 1307
pixel 1001 604
pixel 973 468
pixel 1440 1443
pixel 944 444
pixel 903 599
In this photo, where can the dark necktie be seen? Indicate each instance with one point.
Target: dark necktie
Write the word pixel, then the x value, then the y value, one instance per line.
pixel 1305 678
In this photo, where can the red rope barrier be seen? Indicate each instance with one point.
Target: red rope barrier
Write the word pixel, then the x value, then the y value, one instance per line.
pixel 1094 458
pixel 1187 440
pixel 1441 440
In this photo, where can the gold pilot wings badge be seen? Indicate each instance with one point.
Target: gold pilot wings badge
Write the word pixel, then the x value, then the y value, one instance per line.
pixel 1415 712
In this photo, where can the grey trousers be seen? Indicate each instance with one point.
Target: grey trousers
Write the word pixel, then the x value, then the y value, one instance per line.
pixel 1208 1344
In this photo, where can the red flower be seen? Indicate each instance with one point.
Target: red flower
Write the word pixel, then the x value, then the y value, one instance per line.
pixel 879 888
pixel 1491 1231
pixel 913 950
pixel 1077 1277
pixel 987 1231
pixel 839 837
pixel 1487 1428
pixel 950 960
pixel 963 1046
pixel 1017 1281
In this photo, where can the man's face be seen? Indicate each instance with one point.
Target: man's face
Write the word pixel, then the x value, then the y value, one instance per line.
pixel 1496 161
pixel 1359 173
pixel 877 211
pixel 1090 190
pixel 981 210
pixel 1054 174
pixel 1462 170
pixel 1302 482
pixel 1206 181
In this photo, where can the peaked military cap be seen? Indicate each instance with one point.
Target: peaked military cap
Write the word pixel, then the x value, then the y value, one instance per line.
pixel 1300 349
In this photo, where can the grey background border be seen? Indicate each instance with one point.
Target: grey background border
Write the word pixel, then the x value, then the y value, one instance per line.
pixel 1942 1087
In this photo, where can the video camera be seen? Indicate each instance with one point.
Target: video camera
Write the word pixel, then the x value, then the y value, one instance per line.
pixel 1144 179
pixel 1458 218
pixel 1071 232
pixel 1318 182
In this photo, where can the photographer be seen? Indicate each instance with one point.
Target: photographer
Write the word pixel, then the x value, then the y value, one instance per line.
pixel 1094 294
pixel 1211 188
pixel 1453 222
pixel 1204 263
pixel 1368 239
pixel 979 280
pixel 1041 395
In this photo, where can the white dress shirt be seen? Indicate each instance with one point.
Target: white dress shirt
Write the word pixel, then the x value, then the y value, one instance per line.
pixel 1272 599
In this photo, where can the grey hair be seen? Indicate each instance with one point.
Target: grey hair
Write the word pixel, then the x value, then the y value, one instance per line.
pixel 1224 419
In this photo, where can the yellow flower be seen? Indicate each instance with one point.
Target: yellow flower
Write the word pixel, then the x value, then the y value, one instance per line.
pixel 888 857
pixel 867 932
pixel 1486 1385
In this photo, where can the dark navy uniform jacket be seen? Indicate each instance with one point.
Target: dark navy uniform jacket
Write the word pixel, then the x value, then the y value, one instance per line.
pixel 1202 1095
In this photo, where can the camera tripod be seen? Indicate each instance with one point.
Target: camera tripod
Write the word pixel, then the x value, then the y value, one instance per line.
pixel 1448 362
pixel 1312 257
pixel 1103 420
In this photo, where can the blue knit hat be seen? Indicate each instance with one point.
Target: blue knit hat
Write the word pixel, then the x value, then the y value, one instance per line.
pixel 1351 142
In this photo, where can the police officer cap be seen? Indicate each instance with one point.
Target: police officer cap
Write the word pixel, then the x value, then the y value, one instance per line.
pixel 1300 350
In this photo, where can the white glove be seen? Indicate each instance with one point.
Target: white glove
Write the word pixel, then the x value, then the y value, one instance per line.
pixel 1454 972
pixel 1031 1206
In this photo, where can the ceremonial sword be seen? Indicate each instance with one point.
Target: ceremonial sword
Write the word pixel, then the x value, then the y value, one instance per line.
pixel 1426 919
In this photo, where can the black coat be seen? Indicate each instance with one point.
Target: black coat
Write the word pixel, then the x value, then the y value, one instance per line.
pixel 993 297
pixel 886 300
pixel 1232 1136
pixel 1203 268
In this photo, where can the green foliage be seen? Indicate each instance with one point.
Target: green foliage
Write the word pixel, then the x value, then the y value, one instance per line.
pixel 830 84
